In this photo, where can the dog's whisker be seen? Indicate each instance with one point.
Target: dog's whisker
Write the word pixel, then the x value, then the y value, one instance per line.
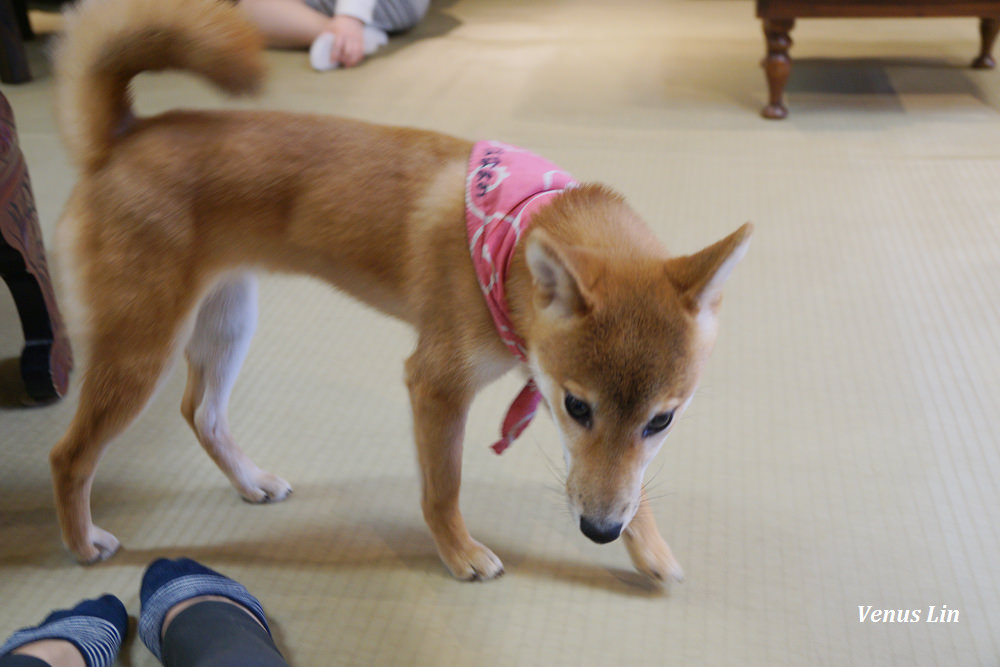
pixel 550 464
pixel 555 490
pixel 656 473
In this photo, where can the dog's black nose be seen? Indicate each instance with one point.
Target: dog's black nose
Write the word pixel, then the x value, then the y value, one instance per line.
pixel 600 533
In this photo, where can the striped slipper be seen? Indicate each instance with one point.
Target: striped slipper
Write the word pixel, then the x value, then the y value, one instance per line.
pixel 95 627
pixel 168 582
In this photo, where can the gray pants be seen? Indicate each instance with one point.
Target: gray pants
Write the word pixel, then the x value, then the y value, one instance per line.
pixel 389 15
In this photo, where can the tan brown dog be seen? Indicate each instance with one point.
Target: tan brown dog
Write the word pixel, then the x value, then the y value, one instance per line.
pixel 172 214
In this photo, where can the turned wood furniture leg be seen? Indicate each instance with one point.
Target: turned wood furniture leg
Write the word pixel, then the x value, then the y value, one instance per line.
pixel 21 14
pixel 13 60
pixel 47 359
pixel 777 65
pixel 988 29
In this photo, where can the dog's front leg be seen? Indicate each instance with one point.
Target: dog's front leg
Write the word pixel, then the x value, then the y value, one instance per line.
pixel 439 412
pixel 648 550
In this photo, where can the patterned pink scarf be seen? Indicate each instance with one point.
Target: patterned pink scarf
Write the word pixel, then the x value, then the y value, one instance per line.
pixel 505 186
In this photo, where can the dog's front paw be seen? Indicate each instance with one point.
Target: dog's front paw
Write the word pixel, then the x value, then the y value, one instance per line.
pixel 263 487
pixel 652 557
pixel 99 545
pixel 472 562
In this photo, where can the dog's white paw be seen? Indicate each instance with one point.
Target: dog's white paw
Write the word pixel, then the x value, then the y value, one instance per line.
pixel 653 558
pixel 473 562
pixel 263 487
pixel 100 545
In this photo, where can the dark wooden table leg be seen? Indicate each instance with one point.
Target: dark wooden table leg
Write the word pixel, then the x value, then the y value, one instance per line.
pixel 47 358
pixel 777 65
pixel 23 22
pixel 988 29
pixel 13 60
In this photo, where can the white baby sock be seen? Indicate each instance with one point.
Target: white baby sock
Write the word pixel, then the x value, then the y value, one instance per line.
pixel 322 46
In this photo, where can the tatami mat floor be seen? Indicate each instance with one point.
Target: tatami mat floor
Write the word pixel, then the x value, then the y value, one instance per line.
pixel 841 453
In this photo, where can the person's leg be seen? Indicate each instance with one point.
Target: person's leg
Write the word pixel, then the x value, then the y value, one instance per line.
pixel 395 16
pixel 88 635
pixel 26 660
pixel 286 24
pixel 293 24
pixel 329 50
pixel 195 617
pixel 218 633
pixel 386 17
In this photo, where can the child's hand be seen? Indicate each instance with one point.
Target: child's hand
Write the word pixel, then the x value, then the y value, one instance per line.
pixel 349 43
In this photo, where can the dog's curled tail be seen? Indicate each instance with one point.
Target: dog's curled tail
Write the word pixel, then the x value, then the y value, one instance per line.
pixel 108 42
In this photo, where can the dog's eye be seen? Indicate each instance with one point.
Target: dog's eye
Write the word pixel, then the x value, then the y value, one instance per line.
pixel 578 410
pixel 657 424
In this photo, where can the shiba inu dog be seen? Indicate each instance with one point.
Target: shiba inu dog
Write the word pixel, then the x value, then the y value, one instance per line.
pixel 496 257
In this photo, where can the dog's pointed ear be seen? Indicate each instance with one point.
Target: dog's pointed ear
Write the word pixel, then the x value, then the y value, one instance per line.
pixel 562 275
pixel 699 277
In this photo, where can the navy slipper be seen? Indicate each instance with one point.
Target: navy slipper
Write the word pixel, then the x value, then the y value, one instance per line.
pixel 168 582
pixel 95 627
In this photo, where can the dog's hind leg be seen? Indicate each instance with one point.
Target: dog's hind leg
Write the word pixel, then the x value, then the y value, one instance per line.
pixel 224 326
pixel 130 348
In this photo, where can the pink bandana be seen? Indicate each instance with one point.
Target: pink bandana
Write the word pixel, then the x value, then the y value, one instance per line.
pixel 506 185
